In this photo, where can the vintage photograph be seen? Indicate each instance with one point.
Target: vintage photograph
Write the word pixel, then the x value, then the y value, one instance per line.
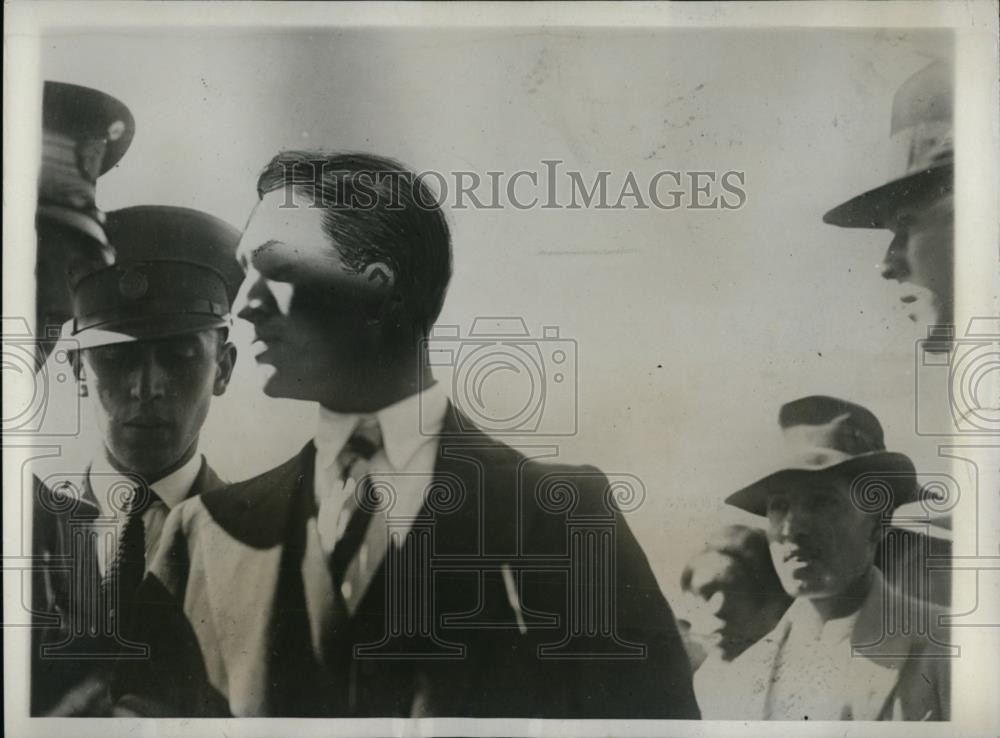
pixel 497 374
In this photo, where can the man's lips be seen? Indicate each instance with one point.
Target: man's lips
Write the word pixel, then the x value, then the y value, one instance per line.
pixel 799 554
pixel 148 422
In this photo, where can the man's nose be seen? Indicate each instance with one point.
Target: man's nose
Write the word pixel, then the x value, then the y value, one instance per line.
pixel 895 264
pixel 252 299
pixel 148 379
pixel 717 604
pixel 792 525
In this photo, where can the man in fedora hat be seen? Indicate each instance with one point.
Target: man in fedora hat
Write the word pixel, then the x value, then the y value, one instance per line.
pixel 840 651
pixel 85 133
pixel 150 349
pixel 918 205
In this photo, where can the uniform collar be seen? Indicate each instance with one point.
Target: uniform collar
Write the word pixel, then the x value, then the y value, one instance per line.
pixel 172 489
pixel 406 425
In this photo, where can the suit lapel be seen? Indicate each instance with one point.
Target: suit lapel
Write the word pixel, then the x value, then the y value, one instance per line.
pixel 879 654
pixel 206 480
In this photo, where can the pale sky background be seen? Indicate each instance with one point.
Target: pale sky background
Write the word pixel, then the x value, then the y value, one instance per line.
pixel 691 328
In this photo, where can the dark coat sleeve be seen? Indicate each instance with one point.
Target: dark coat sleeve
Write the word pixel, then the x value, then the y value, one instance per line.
pixel 623 658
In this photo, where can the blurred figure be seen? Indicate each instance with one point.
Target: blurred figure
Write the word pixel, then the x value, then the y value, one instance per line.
pixel 735 596
pixel 84 134
pixel 919 205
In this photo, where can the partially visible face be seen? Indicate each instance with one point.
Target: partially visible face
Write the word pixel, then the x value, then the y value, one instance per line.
pixel 725 612
pixel 922 255
pixel 63 254
pixel 151 397
pixel 820 542
pixel 310 314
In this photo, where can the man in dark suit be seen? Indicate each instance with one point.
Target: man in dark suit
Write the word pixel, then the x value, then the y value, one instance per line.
pixel 403 563
pixel 148 343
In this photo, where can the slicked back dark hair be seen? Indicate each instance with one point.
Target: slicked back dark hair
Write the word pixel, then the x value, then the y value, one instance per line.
pixel 375 209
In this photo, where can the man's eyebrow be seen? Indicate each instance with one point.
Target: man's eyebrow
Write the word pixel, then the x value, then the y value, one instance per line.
pixel 268 244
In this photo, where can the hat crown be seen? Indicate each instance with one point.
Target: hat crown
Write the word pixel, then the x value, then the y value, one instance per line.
pixel 827 435
pixel 922 120
pixel 151 234
pixel 176 272
pixel 822 422
pixel 920 151
pixel 926 96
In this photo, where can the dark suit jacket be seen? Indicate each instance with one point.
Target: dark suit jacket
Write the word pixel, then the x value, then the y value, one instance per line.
pixel 68 644
pixel 512 626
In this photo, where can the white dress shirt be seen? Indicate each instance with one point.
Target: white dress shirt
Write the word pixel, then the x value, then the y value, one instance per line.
pixel 172 490
pixel 812 670
pixel 410 430
pixel 405 463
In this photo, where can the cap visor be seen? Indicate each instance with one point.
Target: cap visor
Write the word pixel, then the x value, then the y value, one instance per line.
pixel 165 327
pixel 874 208
pixel 894 469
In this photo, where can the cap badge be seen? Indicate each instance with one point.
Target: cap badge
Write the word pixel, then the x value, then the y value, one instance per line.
pixel 115 130
pixel 133 284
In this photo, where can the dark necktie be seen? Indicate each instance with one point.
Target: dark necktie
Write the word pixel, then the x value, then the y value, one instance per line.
pixel 126 571
pixel 354 460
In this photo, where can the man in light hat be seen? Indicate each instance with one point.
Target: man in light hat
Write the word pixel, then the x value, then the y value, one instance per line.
pixel 841 651
pixel 918 206
pixel 151 350
pixel 85 133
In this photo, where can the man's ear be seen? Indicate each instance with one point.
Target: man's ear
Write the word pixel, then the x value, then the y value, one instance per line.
pixel 75 359
pixel 225 362
pixel 877 533
pixel 380 275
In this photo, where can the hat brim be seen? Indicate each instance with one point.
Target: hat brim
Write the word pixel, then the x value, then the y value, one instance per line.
pixel 128 332
pixel 894 469
pixel 875 208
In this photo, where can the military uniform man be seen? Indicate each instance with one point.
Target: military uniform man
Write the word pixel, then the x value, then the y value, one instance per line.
pixel 850 647
pixel 150 349
pixel 919 205
pixel 84 134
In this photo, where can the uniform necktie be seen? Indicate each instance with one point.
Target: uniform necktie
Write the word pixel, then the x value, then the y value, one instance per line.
pixel 128 568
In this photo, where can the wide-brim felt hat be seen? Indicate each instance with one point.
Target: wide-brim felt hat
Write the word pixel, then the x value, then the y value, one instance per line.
pixel 921 147
pixel 826 436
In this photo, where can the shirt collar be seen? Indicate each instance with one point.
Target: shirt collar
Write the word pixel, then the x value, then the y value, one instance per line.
pixel 806 622
pixel 172 489
pixel 406 426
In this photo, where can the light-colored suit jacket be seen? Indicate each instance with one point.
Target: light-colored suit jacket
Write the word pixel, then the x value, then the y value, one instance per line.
pixel 899 666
